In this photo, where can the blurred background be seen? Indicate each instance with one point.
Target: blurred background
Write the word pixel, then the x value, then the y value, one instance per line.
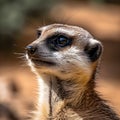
pixel 19 20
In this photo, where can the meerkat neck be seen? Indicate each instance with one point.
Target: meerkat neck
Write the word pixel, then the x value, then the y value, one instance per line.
pixel 58 94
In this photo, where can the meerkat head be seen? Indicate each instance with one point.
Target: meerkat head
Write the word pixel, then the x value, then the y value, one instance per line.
pixel 65 51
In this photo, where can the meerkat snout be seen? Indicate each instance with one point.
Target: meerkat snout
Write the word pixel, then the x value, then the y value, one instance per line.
pixel 31 49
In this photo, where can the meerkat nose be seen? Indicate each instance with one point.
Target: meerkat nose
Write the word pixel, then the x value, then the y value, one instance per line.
pixel 31 49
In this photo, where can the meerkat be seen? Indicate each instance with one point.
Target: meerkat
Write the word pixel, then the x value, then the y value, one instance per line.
pixel 65 59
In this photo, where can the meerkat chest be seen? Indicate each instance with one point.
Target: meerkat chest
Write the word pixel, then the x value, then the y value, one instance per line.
pixel 67 114
pixel 50 102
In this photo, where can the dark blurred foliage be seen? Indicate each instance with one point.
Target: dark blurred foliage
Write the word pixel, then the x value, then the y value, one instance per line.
pixel 14 12
pixel 107 1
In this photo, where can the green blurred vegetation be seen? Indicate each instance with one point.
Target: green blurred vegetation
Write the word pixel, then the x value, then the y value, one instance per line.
pixel 13 13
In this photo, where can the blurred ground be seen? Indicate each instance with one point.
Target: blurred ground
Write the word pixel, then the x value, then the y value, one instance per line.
pixel 18 85
pixel 18 92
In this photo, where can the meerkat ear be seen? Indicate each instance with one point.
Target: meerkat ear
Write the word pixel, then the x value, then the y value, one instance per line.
pixel 93 50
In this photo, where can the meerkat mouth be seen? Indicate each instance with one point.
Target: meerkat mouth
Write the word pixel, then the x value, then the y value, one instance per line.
pixel 42 62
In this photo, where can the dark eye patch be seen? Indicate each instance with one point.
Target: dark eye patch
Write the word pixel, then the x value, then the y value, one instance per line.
pixel 58 41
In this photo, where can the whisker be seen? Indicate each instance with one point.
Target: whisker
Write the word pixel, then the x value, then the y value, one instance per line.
pixel 23 63
pixel 21 57
pixel 19 53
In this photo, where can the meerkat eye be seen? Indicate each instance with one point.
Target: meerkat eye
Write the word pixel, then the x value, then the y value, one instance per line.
pixel 59 41
pixel 62 41
pixel 38 33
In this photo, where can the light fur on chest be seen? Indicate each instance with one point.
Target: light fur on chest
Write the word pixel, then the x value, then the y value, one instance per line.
pixel 49 102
